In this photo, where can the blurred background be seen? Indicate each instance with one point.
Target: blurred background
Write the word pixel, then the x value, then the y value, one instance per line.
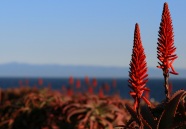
pixel 55 40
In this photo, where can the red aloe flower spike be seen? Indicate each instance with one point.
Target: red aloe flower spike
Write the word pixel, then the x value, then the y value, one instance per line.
pixel 90 90
pixel 40 81
pixel 87 81
pixel 94 82
pixel 101 93
pixel 78 84
pixel 138 69
pixel 71 80
pixel 138 72
pixel 70 92
pixel 166 48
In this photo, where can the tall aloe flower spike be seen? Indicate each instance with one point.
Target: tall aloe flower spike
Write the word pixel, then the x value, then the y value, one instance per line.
pixel 166 49
pixel 138 71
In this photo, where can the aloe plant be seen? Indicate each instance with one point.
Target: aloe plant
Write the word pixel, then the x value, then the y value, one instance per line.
pixel 35 108
pixel 167 119
pixel 95 113
pixel 171 113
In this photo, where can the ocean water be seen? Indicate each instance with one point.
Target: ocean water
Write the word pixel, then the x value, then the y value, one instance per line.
pixel 155 85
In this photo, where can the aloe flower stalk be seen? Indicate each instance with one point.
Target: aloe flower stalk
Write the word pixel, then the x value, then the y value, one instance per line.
pixel 138 71
pixel 40 81
pixel 71 81
pixel 78 84
pixel 94 82
pixel 166 48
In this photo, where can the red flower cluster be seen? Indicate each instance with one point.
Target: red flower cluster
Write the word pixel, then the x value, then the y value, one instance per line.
pixel 71 80
pixel 40 81
pixel 78 83
pixel 165 43
pixel 87 81
pixel 138 70
pixel 94 82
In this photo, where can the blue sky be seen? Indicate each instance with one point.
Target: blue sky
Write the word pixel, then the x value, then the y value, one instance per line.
pixel 82 32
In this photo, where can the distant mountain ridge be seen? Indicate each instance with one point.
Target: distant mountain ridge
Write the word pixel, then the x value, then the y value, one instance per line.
pixel 51 70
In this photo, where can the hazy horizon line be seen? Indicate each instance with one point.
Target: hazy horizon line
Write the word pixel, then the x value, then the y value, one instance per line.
pixel 81 65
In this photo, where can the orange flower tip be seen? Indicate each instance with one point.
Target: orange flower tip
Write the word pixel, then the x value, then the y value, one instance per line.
pixel 146 89
pixel 175 73
pixel 146 101
pixel 165 4
pixel 159 67
pixel 135 105
pixel 132 93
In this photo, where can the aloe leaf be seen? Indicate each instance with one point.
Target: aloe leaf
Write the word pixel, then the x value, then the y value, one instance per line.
pixel 135 117
pixel 104 122
pixel 167 117
pixel 132 112
pixel 148 117
pixel 78 111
